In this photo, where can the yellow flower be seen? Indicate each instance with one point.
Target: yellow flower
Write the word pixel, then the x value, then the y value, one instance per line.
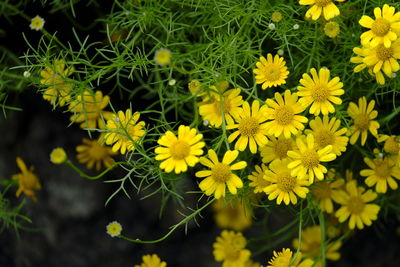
pixel 276 16
pixel 363 116
pixel 220 174
pixel 152 261
pixel 257 179
pixel 319 91
pixel 56 79
pixel 355 205
pixel 114 229
pixel 391 145
pixel 311 245
pixel 284 186
pixel 308 159
pixel 332 29
pixel 285 259
pixel 383 28
pixel 177 153
pixel 58 155
pixel 225 106
pixel 271 71
pixel 381 173
pixel 326 132
pixel 124 131
pixel 230 249
pixel 283 115
pixel 321 7
pixel 250 127
pixel 163 57
pixel 27 180
pixel 37 23
pixel 88 109
pixel 195 87
pixel 235 215
pixel 323 192
pixel 276 148
pixel 93 153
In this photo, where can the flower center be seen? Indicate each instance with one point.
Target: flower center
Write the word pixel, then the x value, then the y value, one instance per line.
pixel 180 150
pixel 284 115
pixel 320 93
pixel 239 242
pixel 310 159
pixel 380 27
pixel 97 151
pixel 226 108
pixel 321 190
pixel 248 126
pixel 355 205
pixel 391 145
pixel 384 53
pixel 221 172
pixel 383 170
pixel 313 249
pixel 361 122
pixel 282 146
pixel 286 182
pixel 324 138
pixel 322 3
pixel 272 73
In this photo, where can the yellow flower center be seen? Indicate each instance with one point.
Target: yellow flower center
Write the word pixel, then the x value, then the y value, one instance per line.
pixel 218 106
pixel 310 159
pixel 392 145
pixel 180 150
pixel 384 53
pixel 97 151
pixel 320 93
pixel 383 170
pixel 321 190
pixel 355 205
pixel 221 172
pixel 238 242
pixel 322 3
pixel 380 27
pixel 29 181
pixel 324 138
pixel 232 254
pixel 284 115
pixel 286 182
pixel 272 72
pixel 361 122
pixel 282 146
pixel 249 126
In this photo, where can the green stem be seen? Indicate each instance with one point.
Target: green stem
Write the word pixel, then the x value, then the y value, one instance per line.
pixel 323 247
pixel 84 175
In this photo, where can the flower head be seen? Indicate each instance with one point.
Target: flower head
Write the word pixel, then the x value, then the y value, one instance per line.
pixel 162 57
pixel 323 192
pixel 230 249
pixel 321 7
pixel 37 23
pixel 152 261
pixel 319 91
pixel 363 120
pixel 276 148
pixel 276 16
pixel 27 180
pixel 283 115
pixel 220 174
pixel 93 153
pixel 271 71
pixel 250 128
pixel 114 229
pixel 332 29
pixel 124 131
pixel 285 259
pixel 257 179
pixel 391 144
pixel 179 152
pixel 235 215
pixel 58 156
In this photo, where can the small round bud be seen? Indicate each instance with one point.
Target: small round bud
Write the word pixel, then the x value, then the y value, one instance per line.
pixel 58 156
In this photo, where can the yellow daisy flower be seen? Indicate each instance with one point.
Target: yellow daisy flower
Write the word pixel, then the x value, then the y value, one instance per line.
pixel 58 84
pixel 250 127
pixel 28 182
pixel 227 106
pixel 284 186
pixel 308 159
pixel 326 132
pixel 323 192
pixel 285 259
pixel 37 23
pixel 321 7
pixel 319 91
pixel 284 115
pixel 88 110
pixel 383 28
pixel 355 204
pixel 93 153
pixel 235 215
pixel 276 148
pixel 310 245
pixel 163 57
pixel 230 249
pixel 257 179
pixel 332 29
pixel 271 71
pixel 179 152
pixel 391 145
pixel 124 131
pixel 363 117
pixel 220 174
pixel 381 173
pixel 114 229
pixel 151 261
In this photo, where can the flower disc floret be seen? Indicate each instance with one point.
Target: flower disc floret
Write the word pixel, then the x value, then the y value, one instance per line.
pixel 94 154
pixel 276 148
